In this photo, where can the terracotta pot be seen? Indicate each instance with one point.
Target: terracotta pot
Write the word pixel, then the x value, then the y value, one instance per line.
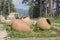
pixel 20 25
pixel 27 20
pixel 43 23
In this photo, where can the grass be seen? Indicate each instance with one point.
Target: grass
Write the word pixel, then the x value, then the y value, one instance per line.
pixel 36 31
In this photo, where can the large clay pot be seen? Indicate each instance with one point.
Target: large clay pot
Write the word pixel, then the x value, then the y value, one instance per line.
pixel 43 23
pixel 27 20
pixel 20 25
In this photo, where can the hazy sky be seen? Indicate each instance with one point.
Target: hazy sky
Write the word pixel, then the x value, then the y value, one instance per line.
pixel 18 4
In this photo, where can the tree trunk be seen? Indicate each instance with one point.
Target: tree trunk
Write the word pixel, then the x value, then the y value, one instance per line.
pixel 9 6
pixel 50 7
pixel 46 7
pixel 40 8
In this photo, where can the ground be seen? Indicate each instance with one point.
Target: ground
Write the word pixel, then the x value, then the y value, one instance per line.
pixel 51 38
pixel 54 32
pixel 3 32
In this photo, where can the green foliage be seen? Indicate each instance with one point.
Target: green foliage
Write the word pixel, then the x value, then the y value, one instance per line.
pixel 35 9
pixel 7 7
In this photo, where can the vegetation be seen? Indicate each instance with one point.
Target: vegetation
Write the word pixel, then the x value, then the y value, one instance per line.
pixel 6 7
pixel 36 32
pixel 40 8
pixel 37 9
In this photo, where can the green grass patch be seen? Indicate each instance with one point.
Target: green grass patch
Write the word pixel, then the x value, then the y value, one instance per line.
pixel 36 32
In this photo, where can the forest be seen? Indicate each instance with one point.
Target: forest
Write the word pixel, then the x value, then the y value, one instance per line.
pixel 38 8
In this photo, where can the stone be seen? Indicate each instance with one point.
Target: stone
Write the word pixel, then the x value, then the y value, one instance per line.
pixel 43 23
pixel 34 22
pixel 56 28
pixel 12 16
pixel 8 21
pixel 3 32
pixel 2 18
pixel 20 25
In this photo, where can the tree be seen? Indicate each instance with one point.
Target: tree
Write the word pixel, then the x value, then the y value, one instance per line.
pixel 57 14
pixel 38 8
pixel 1 6
pixel 50 7
pixel 7 7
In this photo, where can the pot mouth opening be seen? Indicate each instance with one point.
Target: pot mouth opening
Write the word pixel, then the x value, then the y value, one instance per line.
pixel 25 17
pixel 48 21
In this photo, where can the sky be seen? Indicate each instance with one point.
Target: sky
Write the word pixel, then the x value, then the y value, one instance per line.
pixel 18 4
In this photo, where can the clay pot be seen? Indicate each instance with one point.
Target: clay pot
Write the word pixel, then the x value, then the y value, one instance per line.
pixel 20 25
pixel 27 20
pixel 43 23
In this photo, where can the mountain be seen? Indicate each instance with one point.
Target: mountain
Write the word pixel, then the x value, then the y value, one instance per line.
pixel 22 12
